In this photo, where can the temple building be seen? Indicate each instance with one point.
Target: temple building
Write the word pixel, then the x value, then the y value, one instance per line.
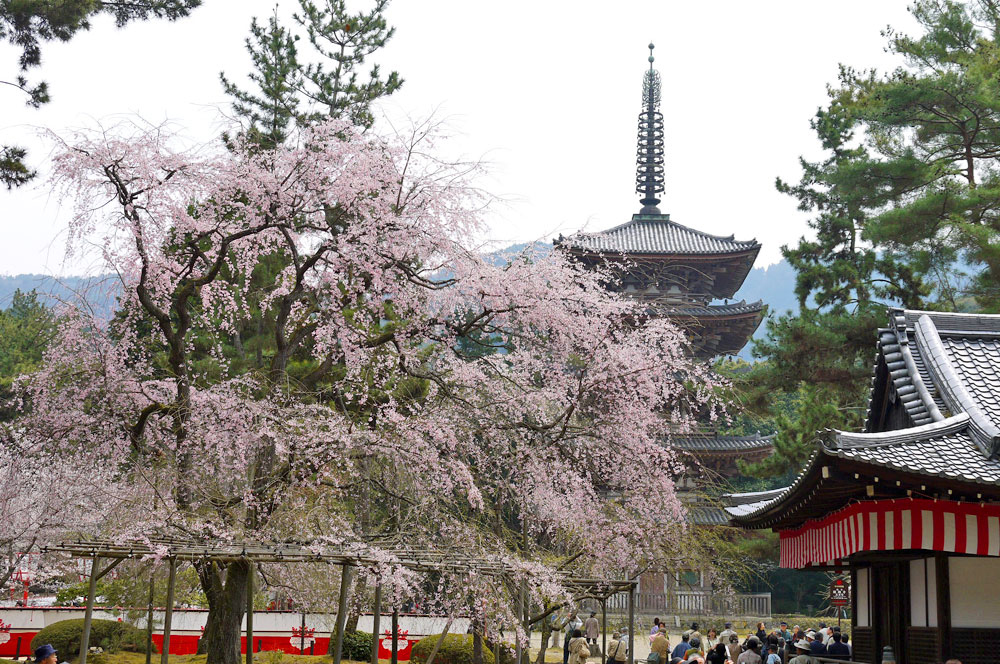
pixel 691 278
pixel 911 505
pixel 680 273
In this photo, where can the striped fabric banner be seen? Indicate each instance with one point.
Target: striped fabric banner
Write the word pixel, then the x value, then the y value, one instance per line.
pixel 894 525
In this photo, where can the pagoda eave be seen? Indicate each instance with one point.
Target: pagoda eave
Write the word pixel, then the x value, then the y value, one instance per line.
pixel 722 330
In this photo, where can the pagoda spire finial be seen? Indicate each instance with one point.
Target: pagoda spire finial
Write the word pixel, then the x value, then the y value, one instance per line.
pixel 649 154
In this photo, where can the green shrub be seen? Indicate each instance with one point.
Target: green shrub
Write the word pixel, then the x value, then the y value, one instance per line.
pixel 111 635
pixel 358 646
pixel 456 649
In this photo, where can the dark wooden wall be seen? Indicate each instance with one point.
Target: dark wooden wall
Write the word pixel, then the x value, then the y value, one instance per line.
pixel 861 644
pixel 922 645
pixel 975 645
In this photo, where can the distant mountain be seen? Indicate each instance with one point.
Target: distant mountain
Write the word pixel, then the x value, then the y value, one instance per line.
pixel 101 292
pixel 774 284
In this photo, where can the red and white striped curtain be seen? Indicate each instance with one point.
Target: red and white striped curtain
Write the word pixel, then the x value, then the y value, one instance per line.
pixel 894 525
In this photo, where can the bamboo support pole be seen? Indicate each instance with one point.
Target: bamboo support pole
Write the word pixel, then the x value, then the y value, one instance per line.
pixel 631 625
pixel 345 586
pixel 376 619
pixel 88 617
pixel 149 616
pixel 250 615
pixel 395 634
pixel 604 630
pixel 168 616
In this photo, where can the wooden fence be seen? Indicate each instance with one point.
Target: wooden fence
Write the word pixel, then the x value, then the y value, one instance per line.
pixel 692 603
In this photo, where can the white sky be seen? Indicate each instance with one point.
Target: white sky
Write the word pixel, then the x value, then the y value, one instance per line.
pixel 547 92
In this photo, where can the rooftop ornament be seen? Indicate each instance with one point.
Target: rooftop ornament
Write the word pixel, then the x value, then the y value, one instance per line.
pixel 649 154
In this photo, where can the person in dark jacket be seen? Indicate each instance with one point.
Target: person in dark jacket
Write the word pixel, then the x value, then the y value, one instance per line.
pixel 717 656
pixel 837 648
pixel 682 647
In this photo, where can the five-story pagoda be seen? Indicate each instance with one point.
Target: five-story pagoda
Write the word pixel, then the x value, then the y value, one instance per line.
pixel 681 273
pixel 678 271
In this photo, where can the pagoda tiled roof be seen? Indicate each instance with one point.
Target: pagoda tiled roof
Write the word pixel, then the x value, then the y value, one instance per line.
pixel 944 369
pixel 713 443
pixel 656 234
pixel 715 310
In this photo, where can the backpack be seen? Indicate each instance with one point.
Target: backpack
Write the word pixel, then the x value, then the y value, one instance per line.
pixel 653 658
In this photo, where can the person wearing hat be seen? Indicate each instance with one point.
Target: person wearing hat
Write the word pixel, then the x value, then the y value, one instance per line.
pixel 695 648
pixel 726 633
pixel 45 654
pixel 786 634
pixel 802 648
pixel 772 653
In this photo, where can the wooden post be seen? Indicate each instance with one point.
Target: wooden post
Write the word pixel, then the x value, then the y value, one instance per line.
pixel 302 636
pixel 943 581
pixel 521 609
pixel 395 634
pixel 250 613
pixel 604 630
pixel 631 625
pixel 88 617
pixel 168 615
pixel 346 572
pixel 376 618
pixel 149 616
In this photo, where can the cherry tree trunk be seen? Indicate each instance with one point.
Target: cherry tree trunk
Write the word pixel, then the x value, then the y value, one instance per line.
pixel 226 590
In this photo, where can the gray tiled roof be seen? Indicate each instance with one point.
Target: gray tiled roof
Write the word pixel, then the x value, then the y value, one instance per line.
pixel 977 362
pixel 707 515
pixel 950 452
pixel 731 309
pixel 721 443
pixel 938 364
pixel 656 234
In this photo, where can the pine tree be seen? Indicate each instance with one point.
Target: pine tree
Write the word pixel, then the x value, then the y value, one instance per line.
pixel 346 39
pixel 291 88
pixel 843 283
pixel 933 128
pixel 277 75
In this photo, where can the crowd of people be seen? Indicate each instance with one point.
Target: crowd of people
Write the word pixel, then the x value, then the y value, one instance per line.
pixel 780 645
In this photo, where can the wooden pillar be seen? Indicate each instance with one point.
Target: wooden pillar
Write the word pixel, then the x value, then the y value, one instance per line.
pixel 88 617
pixel 631 625
pixel 376 618
pixel 941 574
pixel 345 587
pixel 250 613
pixel 395 634
pixel 149 616
pixel 520 619
pixel 604 630
pixel 168 615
